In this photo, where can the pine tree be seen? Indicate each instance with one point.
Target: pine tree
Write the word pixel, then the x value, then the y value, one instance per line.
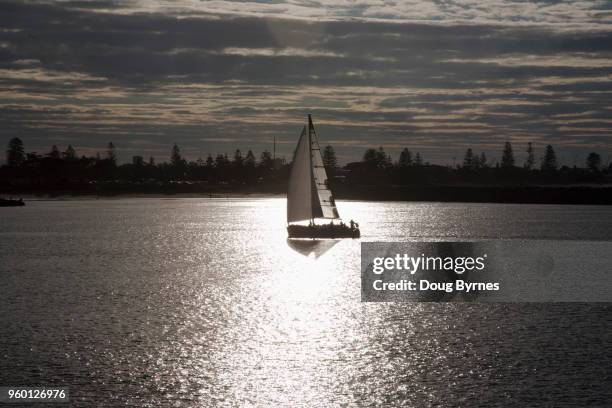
pixel 468 159
pixel 483 160
pixel 330 161
pixel 54 153
pixel 382 159
pixel 549 162
pixel 70 153
pixel 266 160
pixel 530 162
pixel 507 156
pixel 221 161
pixel 593 161
pixel 249 160
pixel 111 156
pixel 476 162
pixel 370 157
pixel 210 161
pixel 418 160
pixel 175 156
pixel 238 159
pixel 14 153
pixel 405 158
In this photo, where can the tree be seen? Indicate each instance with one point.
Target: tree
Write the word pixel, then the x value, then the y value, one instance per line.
pixel 330 161
pixel 530 162
pixel 221 161
pixel 238 159
pixel 468 159
pixel 507 156
pixel 249 160
pixel 377 158
pixel 370 156
pixel 418 160
pixel 405 158
pixel 266 160
pixel 382 159
pixel 593 161
pixel 54 153
pixel 549 162
pixel 151 161
pixel 476 162
pixel 210 161
pixel 14 153
pixel 175 156
pixel 70 153
pixel 111 155
pixel 482 161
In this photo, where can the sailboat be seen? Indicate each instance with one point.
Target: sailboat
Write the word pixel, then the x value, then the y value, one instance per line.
pixel 309 197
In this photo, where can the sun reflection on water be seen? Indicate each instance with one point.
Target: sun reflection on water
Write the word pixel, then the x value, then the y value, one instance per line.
pixel 204 302
pixel 285 327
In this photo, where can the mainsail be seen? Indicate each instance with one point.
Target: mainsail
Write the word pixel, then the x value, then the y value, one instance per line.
pixel 309 195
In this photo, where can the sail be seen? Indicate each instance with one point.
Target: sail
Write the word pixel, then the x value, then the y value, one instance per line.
pixel 323 194
pixel 309 195
pixel 299 195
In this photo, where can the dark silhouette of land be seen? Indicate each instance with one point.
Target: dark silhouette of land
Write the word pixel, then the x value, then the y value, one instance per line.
pixel 375 177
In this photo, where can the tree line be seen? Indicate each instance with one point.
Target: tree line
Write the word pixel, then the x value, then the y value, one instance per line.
pixel 376 167
pixel 68 165
pixel 474 161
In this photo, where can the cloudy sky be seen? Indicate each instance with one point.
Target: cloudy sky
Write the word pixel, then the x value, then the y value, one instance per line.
pixel 213 76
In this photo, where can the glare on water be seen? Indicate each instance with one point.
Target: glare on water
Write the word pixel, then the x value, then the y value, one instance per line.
pixel 204 302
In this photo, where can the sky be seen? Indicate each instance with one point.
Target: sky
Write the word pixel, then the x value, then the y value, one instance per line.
pixel 214 76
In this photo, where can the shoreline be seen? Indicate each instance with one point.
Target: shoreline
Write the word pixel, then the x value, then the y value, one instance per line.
pixel 93 196
pixel 559 195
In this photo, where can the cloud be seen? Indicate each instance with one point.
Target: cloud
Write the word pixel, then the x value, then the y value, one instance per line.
pixel 435 76
pixel 282 52
pixel 576 60
pixel 581 15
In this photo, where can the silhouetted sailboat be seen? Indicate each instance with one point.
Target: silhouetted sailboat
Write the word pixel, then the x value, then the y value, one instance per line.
pixel 309 196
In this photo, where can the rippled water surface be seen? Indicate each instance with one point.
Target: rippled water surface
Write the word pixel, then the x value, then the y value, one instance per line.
pixel 203 302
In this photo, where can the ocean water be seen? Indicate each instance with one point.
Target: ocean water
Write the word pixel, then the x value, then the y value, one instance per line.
pixel 190 302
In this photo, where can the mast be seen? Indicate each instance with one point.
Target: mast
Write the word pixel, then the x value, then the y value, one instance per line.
pixel 314 197
pixel 312 180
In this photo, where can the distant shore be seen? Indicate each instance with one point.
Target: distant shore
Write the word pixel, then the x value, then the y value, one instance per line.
pixel 584 195
pixel 95 196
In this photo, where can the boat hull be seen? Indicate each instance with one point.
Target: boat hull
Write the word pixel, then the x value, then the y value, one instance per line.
pixel 322 231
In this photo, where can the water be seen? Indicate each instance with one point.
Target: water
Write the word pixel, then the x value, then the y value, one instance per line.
pixel 202 302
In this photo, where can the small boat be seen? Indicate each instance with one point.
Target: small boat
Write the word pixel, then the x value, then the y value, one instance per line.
pixel 11 203
pixel 309 197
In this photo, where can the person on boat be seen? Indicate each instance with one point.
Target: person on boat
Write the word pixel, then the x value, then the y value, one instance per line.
pixel 354 225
